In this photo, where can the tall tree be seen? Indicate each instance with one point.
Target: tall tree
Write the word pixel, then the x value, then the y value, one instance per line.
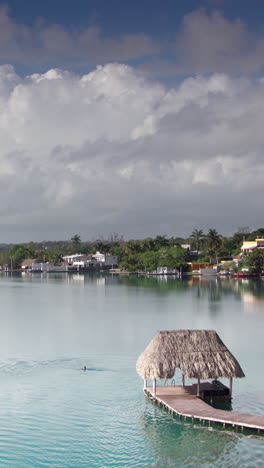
pixel 254 261
pixel 132 247
pixel 214 239
pixel 197 236
pixel 161 241
pixel 18 253
pixel 76 243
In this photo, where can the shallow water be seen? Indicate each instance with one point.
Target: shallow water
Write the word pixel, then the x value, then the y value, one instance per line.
pixel 52 413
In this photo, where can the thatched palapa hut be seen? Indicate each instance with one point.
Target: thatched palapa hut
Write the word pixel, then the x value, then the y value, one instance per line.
pixel 199 354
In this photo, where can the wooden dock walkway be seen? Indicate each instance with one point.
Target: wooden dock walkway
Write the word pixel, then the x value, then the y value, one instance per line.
pixel 183 401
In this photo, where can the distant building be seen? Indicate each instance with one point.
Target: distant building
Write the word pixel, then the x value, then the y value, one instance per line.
pixel 27 263
pixel 186 246
pixel 236 259
pixel 196 266
pixel 30 264
pixel 166 271
pixel 105 259
pixel 74 258
pixel 208 271
pixel 249 246
pixel 48 268
pixel 193 253
pixel 97 259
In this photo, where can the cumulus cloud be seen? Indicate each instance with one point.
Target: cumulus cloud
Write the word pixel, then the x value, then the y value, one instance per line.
pixel 205 42
pixel 45 43
pixel 209 43
pixel 112 151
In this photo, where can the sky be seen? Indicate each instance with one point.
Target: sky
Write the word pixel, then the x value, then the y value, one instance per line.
pixel 138 118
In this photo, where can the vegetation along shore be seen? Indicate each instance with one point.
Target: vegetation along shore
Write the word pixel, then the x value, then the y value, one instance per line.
pixel 242 253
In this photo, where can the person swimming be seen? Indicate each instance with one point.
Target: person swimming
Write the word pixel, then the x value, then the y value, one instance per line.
pixel 84 368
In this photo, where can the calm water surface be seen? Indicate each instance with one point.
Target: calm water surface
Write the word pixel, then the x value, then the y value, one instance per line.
pixel 53 414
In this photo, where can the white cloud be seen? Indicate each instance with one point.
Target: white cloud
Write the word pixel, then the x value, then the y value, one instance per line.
pixel 44 43
pixel 209 43
pixel 203 43
pixel 111 151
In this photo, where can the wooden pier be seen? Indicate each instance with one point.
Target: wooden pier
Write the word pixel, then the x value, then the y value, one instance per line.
pixel 182 401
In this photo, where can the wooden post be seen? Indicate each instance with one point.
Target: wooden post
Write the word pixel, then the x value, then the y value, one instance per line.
pixel 183 380
pixel 145 384
pixel 154 387
pixel 230 386
pixel 198 386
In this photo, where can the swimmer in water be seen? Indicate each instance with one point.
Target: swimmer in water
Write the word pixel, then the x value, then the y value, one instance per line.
pixel 84 368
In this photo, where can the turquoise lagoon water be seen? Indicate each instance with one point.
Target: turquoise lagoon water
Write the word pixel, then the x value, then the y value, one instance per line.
pixel 53 414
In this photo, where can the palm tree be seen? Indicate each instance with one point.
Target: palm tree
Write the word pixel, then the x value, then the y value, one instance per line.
pixel 148 244
pixel 197 237
pixel 132 247
pixel 214 239
pixel 76 243
pixel 161 241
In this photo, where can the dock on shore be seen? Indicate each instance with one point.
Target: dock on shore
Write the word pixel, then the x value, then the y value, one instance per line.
pixel 183 401
pixel 201 355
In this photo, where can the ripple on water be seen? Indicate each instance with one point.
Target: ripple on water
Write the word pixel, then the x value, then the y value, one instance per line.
pixel 20 367
pixel 54 414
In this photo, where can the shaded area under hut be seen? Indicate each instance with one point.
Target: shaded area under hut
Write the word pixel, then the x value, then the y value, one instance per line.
pixel 199 354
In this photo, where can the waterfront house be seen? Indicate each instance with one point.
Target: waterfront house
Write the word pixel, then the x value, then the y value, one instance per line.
pixel 47 267
pixel 27 264
pixel 105 259
pixel 209 271
pixel 166 271
pixel 96 260
pixel 195 267
pixel 70 259
pixel 249 246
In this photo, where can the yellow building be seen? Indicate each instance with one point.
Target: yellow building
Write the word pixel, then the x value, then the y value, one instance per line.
pixel 249 246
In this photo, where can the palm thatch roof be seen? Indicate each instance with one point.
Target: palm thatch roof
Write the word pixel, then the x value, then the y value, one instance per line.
pixel 197 353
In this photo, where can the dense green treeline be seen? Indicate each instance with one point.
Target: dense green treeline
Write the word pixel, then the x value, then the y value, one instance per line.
pixel 211 247
pixel 141 255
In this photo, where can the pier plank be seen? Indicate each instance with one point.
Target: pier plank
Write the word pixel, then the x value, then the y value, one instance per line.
pixel 184 402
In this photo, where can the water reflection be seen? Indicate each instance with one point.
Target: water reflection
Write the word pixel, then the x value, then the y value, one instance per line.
pixel 250 292
pixel 159 284
pixel 105 321
pixel 209 287
pixel 175 443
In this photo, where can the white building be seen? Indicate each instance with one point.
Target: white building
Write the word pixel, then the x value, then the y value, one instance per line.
pixel 186 246
pixel 105 259
pixel 167 271
pixel 48 267
pixel 97 259
pixel 75 258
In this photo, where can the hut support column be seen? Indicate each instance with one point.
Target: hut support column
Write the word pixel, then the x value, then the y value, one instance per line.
pixel 154 387
pixel 230 386
pixel 145 384
pixel 198 386
pixel 183 380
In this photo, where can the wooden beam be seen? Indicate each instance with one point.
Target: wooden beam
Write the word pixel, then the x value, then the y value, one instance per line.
pixel 154 387
pixel 230 386
pixel 198 386
pixel 183 380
